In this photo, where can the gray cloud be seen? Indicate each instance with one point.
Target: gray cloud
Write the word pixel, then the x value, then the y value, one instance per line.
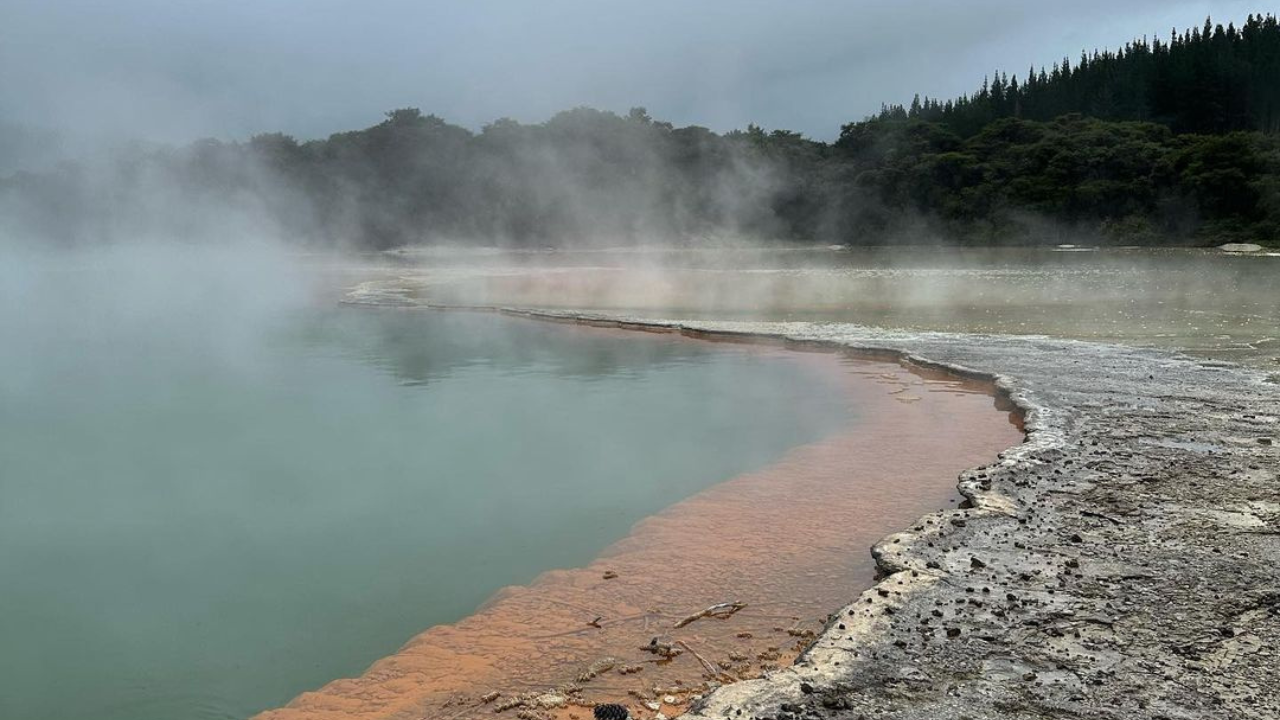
pixel 174 71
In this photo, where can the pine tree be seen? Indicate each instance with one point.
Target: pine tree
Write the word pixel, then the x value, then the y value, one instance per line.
pixel 1207 79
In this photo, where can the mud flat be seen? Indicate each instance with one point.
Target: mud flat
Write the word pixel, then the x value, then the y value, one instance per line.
pixel 1123 563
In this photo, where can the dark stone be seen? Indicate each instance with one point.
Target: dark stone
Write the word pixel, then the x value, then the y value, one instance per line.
pixel 611 711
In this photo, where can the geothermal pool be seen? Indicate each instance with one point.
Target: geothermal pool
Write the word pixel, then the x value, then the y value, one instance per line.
pixel 784 545
pixel 204 515
pixel 222 490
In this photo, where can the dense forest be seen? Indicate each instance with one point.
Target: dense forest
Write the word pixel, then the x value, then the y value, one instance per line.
pixel 1206 80
pixel 1160 142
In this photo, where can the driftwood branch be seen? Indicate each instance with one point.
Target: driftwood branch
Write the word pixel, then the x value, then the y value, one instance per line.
pixel 719 610
pixel 714 671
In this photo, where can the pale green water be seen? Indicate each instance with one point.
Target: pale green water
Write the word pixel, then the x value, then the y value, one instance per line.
pixel 216 493
pixel 1212 304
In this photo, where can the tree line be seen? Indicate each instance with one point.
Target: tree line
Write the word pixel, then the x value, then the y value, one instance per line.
pixel 1208 80
pixel 1159 143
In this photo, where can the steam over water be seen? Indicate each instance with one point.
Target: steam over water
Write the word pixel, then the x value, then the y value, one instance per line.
pixel 218 494
pixel 219 489
pixel 1218 305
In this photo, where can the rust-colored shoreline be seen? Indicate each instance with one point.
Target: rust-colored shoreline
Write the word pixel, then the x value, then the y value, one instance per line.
pixel 796 531
pixel 998 389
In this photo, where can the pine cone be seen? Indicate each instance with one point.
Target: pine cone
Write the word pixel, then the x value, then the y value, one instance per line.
pixel 611 711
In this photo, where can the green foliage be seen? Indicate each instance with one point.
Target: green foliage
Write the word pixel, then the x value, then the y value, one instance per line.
pixel 1025 181
pixel 1213 79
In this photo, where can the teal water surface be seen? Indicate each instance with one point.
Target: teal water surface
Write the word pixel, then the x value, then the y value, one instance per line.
pixel 217 492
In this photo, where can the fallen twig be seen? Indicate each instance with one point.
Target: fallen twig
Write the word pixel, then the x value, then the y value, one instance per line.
pixel 719 610
pixel 589 626
pixel 714 671
pixel 1108 518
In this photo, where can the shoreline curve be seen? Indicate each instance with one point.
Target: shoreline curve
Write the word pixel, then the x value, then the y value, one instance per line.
pixel 970 446
pixel 1122 562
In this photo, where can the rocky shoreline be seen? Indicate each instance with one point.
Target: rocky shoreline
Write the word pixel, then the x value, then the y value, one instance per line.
pixel 1121 563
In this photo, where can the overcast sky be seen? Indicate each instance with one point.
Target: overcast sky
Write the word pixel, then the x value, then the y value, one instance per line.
pixel 175 70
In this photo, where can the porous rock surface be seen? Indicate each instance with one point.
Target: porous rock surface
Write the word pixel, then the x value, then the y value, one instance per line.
pixel 1123 563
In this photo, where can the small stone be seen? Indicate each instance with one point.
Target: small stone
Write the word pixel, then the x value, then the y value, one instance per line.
pixel 609 574
pixel 835 703
pixel 550 700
